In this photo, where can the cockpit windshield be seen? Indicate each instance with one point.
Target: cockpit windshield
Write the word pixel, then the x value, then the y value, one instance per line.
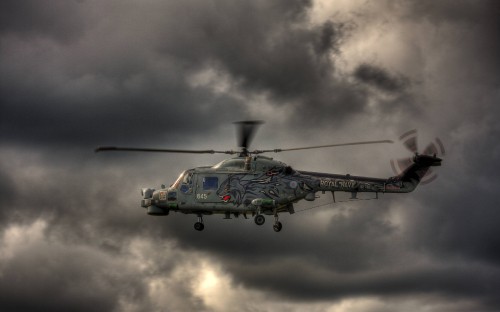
pixel 179 180
pixel 184 181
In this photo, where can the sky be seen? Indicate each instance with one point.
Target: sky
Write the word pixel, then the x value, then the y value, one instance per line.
pixel 75 75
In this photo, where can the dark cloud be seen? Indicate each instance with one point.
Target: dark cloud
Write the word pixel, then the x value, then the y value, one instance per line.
pixel 380 78
pixel 301 282
pixel 7 189
pixel 79 74
pixel 130 86
pixel 476 27
pixel 60 20
pixel 95 108
pixel 57 279
pixel 461 11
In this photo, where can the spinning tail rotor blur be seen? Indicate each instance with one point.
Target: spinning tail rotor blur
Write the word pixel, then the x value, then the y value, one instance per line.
pixel 409 140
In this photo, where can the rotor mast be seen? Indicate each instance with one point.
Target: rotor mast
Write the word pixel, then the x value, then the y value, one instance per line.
pixel 246 131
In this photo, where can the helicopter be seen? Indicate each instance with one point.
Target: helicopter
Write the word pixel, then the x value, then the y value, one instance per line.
pixel 254 184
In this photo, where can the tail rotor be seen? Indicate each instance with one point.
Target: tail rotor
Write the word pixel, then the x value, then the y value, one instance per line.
pixel 409 140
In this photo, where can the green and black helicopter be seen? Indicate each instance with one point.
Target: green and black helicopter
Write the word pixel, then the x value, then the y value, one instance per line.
pixel 257 185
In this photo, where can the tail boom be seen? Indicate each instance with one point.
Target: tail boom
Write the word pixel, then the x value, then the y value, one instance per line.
pixel 406 182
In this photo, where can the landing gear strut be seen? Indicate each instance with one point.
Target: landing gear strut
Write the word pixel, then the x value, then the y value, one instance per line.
pixel 199 226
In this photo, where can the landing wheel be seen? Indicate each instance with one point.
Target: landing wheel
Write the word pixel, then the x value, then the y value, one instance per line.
pixel 277 226
pixel 199 226
pixel 259 219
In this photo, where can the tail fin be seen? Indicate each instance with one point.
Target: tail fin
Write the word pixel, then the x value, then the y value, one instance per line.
pixel 412 175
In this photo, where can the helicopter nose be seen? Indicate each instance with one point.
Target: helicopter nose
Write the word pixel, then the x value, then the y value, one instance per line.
pixel 147 195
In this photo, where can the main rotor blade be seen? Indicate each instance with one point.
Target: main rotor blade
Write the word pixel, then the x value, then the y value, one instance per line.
pixel 321 146
pixel 140 149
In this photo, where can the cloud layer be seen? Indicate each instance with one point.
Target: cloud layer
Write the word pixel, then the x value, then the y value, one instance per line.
pixel 78 74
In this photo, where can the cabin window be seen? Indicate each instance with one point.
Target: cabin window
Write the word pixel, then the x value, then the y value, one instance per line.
pixel 210 183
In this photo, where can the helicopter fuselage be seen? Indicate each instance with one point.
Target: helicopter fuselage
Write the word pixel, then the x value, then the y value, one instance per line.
pixel 260 185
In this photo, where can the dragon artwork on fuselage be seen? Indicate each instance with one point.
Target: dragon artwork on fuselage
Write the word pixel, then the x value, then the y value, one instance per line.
pixel 276 184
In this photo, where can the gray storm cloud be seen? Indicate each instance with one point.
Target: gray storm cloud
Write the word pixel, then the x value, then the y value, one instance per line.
pixel 77 74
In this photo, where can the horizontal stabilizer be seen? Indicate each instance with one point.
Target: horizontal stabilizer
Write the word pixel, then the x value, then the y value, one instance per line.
pixel 426 160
